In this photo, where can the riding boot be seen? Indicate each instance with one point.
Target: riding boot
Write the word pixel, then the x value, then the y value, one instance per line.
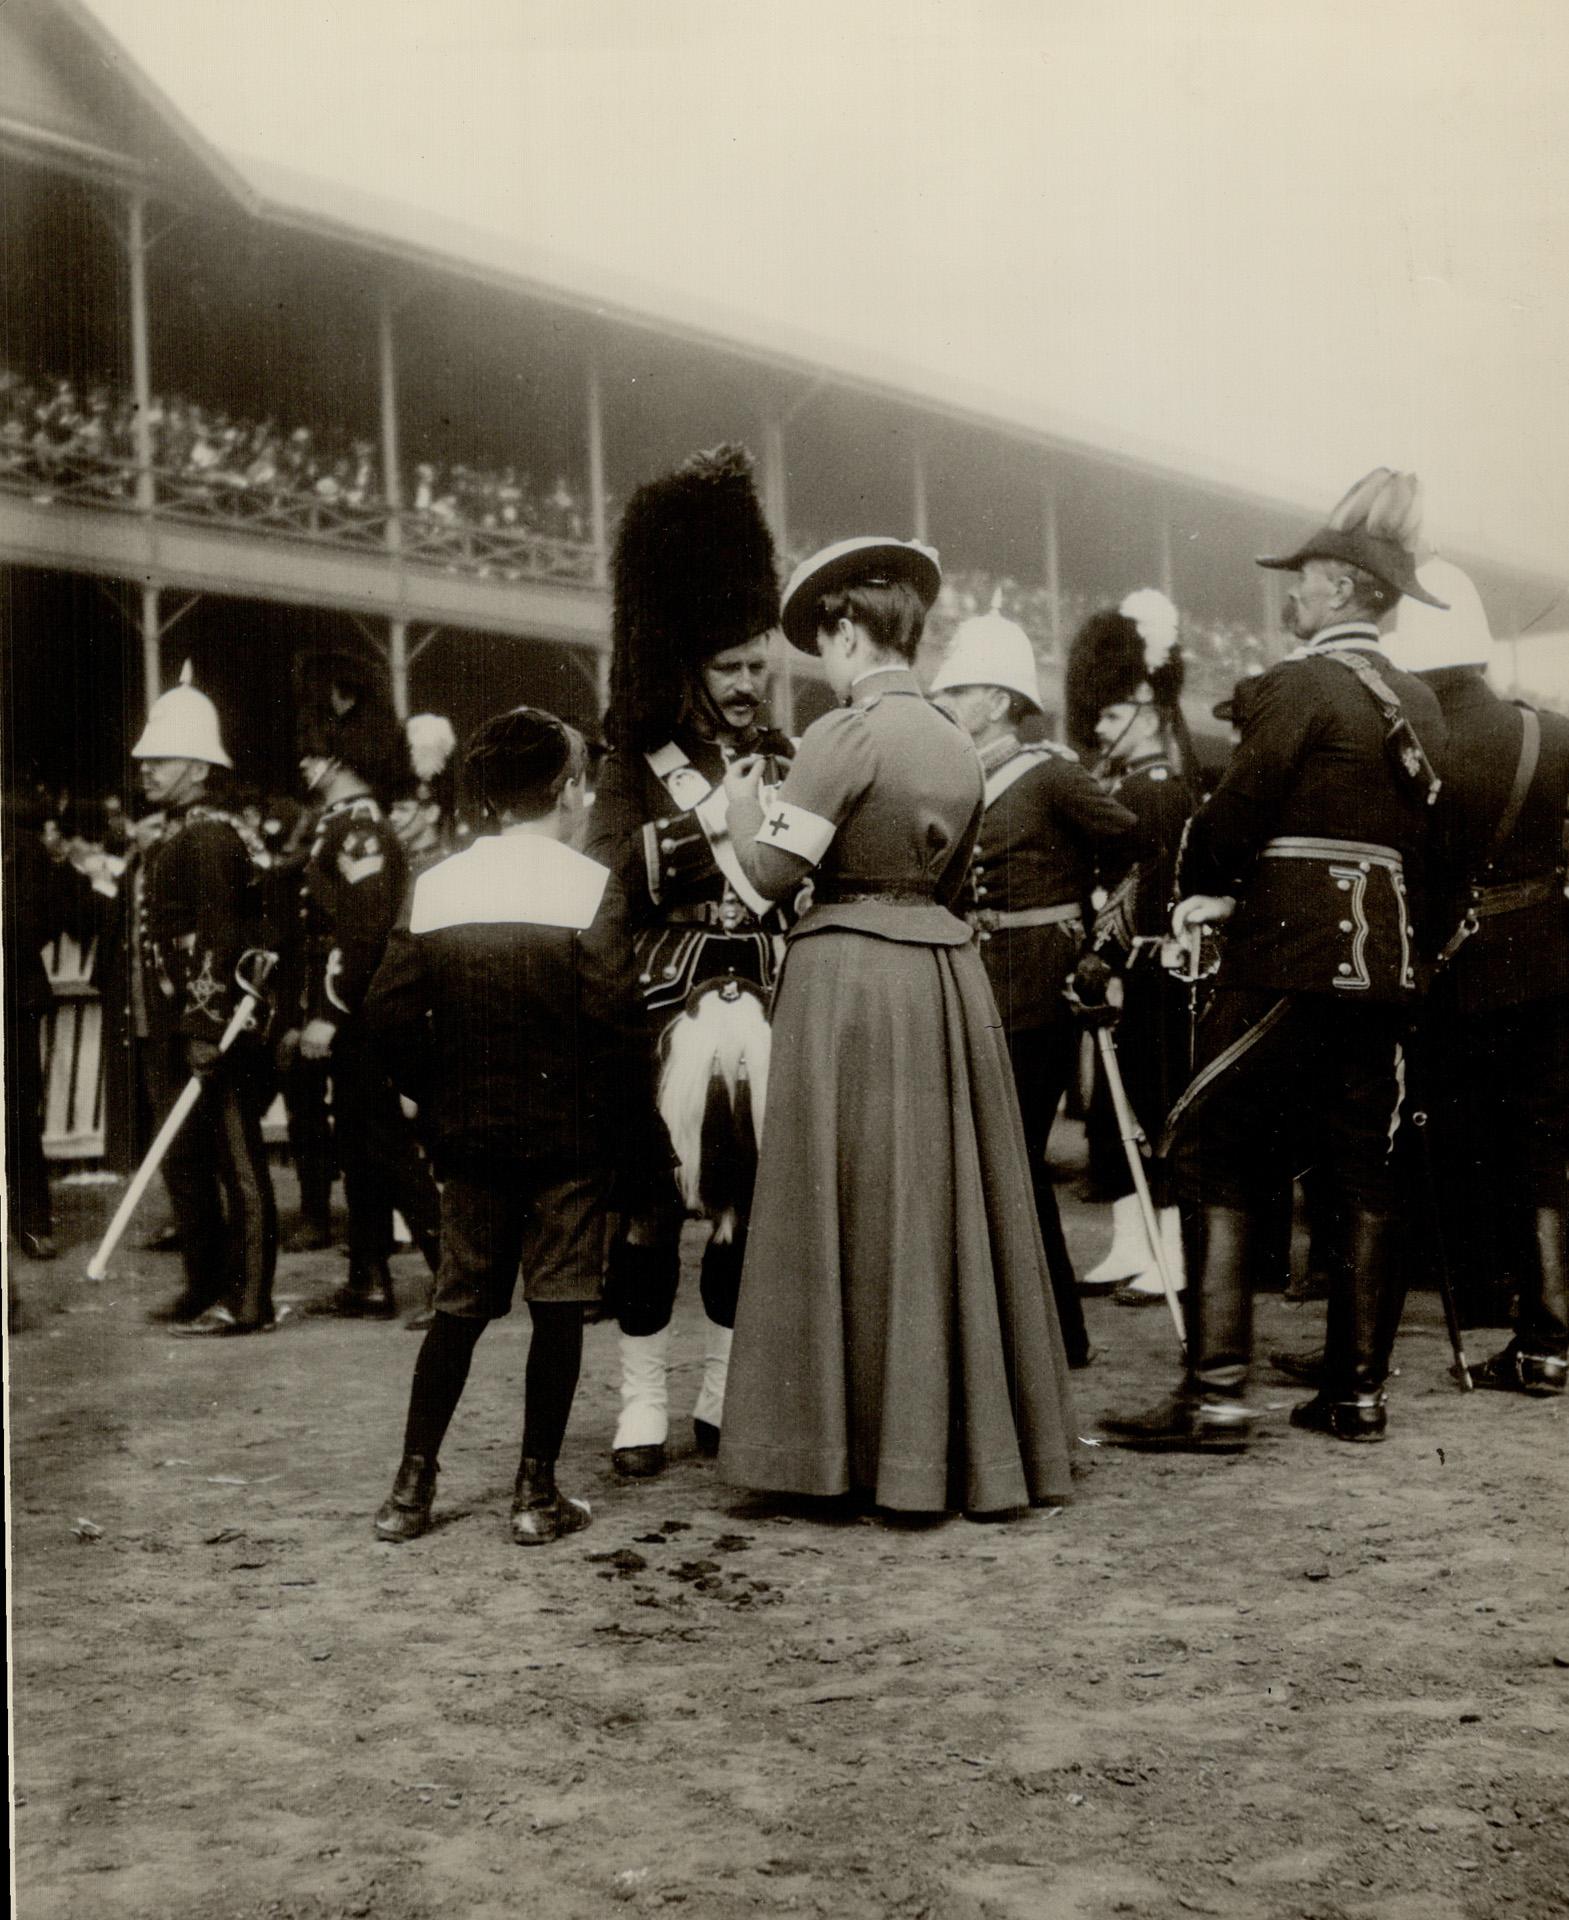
pixel 1349 1404
pixel 1210 1412
pixel 1536 1361
pixel 540 1511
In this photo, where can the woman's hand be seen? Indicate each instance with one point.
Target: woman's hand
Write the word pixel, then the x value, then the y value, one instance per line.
pixel 744 779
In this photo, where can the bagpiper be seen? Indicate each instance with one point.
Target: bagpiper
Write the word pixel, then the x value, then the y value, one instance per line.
pixel 1306 851
pixel 1123 692
pixel 696 605
pixel 1048 834
pixel 195 909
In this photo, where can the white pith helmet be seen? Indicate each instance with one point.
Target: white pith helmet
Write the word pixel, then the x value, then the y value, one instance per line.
pixel 183 725
pixel 989 650
pixel 1422 639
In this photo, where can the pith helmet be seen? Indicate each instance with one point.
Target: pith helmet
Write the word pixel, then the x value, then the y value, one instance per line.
pixel 989 650
pixel 1375 526
pixel 1422 638
pixel 182 725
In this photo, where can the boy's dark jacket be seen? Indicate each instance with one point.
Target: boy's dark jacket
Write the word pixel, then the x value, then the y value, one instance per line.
pixel 508 1009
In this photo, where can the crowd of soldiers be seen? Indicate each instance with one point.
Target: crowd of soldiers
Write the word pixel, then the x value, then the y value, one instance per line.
pixel 542 1000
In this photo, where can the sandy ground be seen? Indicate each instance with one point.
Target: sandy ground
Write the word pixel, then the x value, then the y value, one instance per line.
pixel 1314 1681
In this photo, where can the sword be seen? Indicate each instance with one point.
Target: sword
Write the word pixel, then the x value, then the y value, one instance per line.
pixel 251 983
pixel 1134 1142
pixel 1446 1285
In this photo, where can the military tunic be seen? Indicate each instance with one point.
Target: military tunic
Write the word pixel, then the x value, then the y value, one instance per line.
pixel 195 911
pixel 351 890
pixel 1049 833
pixel 1320 838
pixel 895 1332
pixel 654 823
pixel 1490 1059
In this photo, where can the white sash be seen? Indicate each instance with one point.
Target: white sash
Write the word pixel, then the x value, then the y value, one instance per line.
pixel 691 791
pixel 998 783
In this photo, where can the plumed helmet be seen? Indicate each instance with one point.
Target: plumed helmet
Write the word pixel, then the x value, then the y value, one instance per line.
pixel 1447 632
pixel 990 650
pixel 344 712
pixel 1376 525
pixel 693 574
pixel 1115 654
pixel 428 772
pixel 182 725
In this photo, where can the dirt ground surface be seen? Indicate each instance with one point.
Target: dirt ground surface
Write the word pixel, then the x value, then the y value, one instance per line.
pixel 1311 1682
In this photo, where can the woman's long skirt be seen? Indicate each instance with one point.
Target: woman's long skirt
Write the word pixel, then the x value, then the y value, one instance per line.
pixel 896 1333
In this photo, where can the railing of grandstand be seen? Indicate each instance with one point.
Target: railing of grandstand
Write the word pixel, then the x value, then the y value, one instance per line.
pixel 427 539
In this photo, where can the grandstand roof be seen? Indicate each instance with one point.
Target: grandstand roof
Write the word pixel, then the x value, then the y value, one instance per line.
pixel 1227 356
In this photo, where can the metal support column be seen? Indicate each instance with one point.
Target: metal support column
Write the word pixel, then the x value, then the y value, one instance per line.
pixel 1053 559
pixel 776 506
pixel 152 649
pixel 141 355
pixel 391 455
pixel 398 665
pixel 918 513
pixel 598 517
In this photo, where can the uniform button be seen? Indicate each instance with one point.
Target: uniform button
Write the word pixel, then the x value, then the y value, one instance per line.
pixel 667 846
pixel 645 978
pixel 1365 865
pixel 984 935
pixel 1345 926
pixel 1344 967
pixel 980 893
pixel 670 973
pixel 1344 885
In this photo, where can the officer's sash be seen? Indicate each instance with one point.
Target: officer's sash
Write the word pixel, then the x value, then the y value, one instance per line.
pixel 1013 770
pixel 692 792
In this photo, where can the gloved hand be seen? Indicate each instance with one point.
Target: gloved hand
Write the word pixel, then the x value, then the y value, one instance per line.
pixel 1095 991
pixel 202 1057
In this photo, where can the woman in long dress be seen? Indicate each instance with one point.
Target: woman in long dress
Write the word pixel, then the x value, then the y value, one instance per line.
pixel 896 1335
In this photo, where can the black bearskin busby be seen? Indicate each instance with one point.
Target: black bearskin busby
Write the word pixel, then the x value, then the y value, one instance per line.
pixel 693 574
pixel 344 712
pixel 1114 654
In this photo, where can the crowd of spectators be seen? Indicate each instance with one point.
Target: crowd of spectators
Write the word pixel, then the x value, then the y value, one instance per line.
pixel 53 436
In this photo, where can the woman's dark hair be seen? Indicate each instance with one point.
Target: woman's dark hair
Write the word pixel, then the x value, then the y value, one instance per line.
pixel 517 764
pixel 891 611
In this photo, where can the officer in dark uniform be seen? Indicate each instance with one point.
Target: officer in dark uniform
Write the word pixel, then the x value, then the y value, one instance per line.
pixel 1490 1059
pixel 1047 833
pixel 351 891
pixel 696 603
pixel 1306 850
pixel 195 910
pixel 510 1011
pixel 1123 690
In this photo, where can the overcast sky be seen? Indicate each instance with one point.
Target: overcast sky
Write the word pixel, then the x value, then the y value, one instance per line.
pixel 1278 241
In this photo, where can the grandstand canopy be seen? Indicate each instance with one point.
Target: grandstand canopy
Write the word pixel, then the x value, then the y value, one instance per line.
pixel 1262 248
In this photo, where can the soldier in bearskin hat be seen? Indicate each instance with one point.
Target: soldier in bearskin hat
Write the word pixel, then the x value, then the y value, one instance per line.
pixel 196 907
pixel 696 601
pixel 1048 834
pixel 1123 700
pixel 1305 851
pixel 352 886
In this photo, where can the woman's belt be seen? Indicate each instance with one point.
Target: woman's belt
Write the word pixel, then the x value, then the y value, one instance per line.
pixel 1309 846
pixel 993 919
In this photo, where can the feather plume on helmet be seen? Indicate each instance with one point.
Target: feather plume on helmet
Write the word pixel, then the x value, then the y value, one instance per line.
pixel 344 712
pixel 693 574
pixel 1116 653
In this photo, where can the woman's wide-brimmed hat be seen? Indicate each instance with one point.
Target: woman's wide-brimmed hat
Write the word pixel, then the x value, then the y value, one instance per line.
pixel 871 559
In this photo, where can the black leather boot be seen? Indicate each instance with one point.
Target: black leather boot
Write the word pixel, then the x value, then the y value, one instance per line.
pixel 405 1513
pixel 1358 1332
pixel 540 1511
pixel 1536 1361
pixel 1209 1414
pixel 365 1295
